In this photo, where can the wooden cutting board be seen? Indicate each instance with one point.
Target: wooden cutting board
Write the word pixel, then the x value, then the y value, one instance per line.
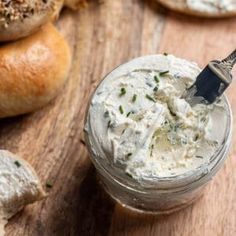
pixel 101 37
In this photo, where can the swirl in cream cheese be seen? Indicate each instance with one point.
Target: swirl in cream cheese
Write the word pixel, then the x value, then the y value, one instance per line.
pixel 139 122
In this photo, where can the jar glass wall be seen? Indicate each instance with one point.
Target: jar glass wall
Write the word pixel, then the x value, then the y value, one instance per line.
pixel 165 194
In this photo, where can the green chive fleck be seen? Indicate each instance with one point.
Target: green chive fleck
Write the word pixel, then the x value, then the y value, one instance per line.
pixel 128 114
pixel 128 174
pixel 155 89
pixel 121 109
pixel 150 98
pixel 122 91
pixel 165 54
pixel 156 79
pixel 163 73
pixel 49 184
pixel 134 97
pixel 200 157
pixel 109 124
pixel 129 154
pixel 152 147
pixel 17 163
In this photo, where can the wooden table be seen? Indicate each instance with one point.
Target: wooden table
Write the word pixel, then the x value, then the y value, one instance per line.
pixel 101 37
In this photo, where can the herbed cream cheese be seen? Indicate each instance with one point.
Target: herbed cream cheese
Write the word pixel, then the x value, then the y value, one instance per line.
pixel 19 185
pixel 212 5
pixel 138 121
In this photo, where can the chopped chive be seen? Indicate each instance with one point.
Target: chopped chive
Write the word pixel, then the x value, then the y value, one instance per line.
pixel 134 97
pixel 152 147
pixel 128 114
pixel 196 137
pixel 121 109
pixel 156 79
pixel 17 163
pixel 122 91
pixel 123 131
pixel 49 184
pixel 200 157
pixel 129 154
pixel 109 124
pixel 155 89
pixel 163 73
pixel 106 114
pixel 150 98
pixel 165 54
pixel 128 174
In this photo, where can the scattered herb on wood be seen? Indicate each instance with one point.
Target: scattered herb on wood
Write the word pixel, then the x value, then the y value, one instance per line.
pixel 49 184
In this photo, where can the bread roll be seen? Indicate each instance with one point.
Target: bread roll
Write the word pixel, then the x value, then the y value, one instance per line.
pixel 32 71
pixel 203 8
pixel 20 18
pixel 19 186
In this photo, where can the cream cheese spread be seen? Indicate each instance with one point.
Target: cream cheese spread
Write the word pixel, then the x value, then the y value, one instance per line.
pixel 212 5
pixel 19 185
pixel 138 121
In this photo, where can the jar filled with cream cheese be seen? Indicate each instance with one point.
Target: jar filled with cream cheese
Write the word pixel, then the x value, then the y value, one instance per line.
pixel 154 152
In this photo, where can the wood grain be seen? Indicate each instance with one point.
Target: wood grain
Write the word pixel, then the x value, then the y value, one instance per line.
pixel 101 37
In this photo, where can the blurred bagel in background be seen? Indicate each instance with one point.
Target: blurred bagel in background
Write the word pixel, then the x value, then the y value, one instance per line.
pixel 20 18
pixel 203 8
pixel 32 71
pixel 75 4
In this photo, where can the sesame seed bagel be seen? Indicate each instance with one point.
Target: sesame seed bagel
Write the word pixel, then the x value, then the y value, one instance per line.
pixel 20 18
pixel 32 71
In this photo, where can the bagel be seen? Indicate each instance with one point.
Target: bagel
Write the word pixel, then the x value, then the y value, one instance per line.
pixel 20 18
pixel 202 8
pixel 19 186
pixel 32 71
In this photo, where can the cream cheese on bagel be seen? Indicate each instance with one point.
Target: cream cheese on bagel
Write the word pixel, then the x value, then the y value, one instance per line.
pixel 19 186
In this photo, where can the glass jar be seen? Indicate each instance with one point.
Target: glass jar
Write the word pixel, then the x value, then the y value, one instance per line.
pixel 167 194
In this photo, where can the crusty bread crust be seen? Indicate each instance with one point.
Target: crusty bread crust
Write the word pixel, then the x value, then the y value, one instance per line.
pixel 22 18
pixel 181 6
pixel 32 71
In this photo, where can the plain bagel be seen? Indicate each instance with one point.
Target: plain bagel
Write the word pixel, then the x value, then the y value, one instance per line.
pixel 32 71
pixel 20 18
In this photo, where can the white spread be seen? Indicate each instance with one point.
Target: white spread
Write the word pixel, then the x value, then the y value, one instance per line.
pixel 19 185
pixel 138 121
pixel 212 5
